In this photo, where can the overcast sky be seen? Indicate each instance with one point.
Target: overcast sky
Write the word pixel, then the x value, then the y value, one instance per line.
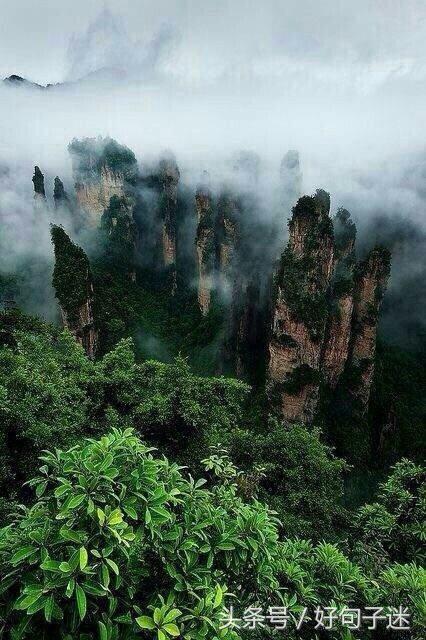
pixel 340 80
pixel 366 43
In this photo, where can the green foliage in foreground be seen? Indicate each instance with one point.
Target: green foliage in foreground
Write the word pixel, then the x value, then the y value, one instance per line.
pixel 43 398
pixel 121 542
pixel 182 549
pixel 394 527
pixel 50 392
pixel 301 478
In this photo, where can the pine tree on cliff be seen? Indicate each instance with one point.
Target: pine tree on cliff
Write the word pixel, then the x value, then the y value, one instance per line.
pixel 73 284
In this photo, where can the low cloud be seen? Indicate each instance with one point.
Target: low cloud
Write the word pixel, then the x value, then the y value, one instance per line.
pixel 345 90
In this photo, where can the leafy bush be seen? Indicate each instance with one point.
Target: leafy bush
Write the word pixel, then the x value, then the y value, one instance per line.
pixel 120 540
pixel 393 528
pixel 42 399
pixel 49 391
pixel 302 479
pixel 167 403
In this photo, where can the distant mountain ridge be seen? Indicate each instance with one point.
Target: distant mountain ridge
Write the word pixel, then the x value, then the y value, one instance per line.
pixel 107 74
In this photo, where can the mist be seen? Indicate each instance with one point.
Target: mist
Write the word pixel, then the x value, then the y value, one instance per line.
pixel 344 88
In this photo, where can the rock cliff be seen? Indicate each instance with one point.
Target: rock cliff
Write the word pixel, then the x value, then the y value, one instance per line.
pixel 227 232
pixel 169 179
pixel 73 284
pixel 336 344
pixel 325 314
pixel 102 168
pixel 121 236
pixel 205 244
pixel 300 310
pixel 371 278
pixel 60 197
pixel 38 182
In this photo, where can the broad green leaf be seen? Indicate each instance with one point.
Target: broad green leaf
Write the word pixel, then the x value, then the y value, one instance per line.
pixel 23 553
pixel 41 488
pixel 93 589
pixel 76 501
pixel 113 566
pixel 217 598
pixel 106 462
pixel 83 558
pixel 172 615
pixel 48 608
pixel 60 491
pixel 68 534
pixel 145 622
pixel 160 511
pixel 103 633
pixel 158 616
pixel 105 576
pixel 70 588
pixel 81 601
pixel 131 512
pixel 26 602
pixel 51 565
pixel 172 629
pixel 115 517
pixel 37 605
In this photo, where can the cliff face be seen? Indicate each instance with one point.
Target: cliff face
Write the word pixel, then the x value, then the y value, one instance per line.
pixel 73 284
pixel 217 244
pixel 248 346
pixel 370 284
pixel 300 310
pixel 324 321
pixel 227 234
pixel 102 168
pixel 338 336
pixel 169 179
pixel 93 197
pixel 121 236
pixel 205 246
pixel 59 195
pixel 38 182
pixel 342 300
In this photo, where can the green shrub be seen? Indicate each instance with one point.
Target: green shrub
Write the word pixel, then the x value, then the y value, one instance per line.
pixel 120 540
